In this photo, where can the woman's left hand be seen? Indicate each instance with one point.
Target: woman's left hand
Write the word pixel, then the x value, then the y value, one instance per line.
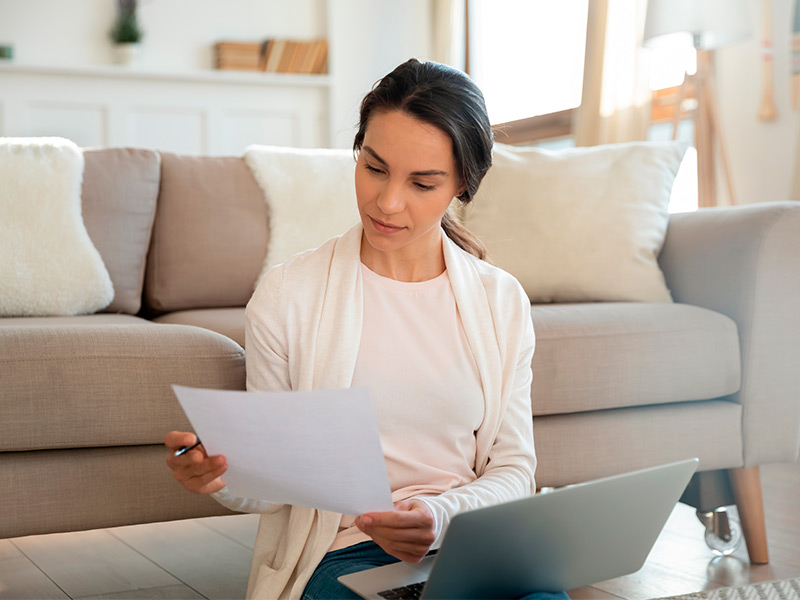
pixel 406 532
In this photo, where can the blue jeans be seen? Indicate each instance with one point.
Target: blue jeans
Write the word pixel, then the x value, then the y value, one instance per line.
pixel 324 585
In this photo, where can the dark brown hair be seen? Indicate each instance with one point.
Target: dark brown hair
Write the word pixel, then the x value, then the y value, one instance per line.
pixel 449 100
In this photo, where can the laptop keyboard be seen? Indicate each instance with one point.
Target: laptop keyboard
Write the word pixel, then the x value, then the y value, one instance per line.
pixel 408 592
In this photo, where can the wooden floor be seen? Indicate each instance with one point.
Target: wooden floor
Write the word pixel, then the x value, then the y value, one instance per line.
pixel 210 558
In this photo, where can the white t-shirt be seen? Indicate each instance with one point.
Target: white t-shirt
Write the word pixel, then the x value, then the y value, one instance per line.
pixel 424 385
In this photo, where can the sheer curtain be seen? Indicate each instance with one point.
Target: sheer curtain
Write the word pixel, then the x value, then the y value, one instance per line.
pixel 449 42
pixel 615 104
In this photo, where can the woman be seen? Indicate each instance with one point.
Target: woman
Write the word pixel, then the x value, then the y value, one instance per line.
pixel 403 305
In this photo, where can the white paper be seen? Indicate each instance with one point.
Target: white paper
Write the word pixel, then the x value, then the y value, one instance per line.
pixel 319 449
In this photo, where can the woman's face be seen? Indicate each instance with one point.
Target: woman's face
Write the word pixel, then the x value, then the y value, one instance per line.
pixel 405 180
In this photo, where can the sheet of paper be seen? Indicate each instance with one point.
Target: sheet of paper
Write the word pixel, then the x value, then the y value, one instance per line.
pixel 319 449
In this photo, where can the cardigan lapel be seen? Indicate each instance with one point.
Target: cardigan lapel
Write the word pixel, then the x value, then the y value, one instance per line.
pixel 341 319
pixel 479 326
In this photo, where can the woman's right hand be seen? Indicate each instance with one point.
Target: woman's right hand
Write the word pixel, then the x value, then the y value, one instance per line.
pixel 195 470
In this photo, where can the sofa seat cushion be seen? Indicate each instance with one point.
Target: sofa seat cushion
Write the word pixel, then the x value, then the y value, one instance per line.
pixel 579 447
pixel 227 321
pixel 598 356
pixel 94 385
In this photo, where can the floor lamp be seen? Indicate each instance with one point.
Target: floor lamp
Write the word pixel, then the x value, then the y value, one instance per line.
pixel 705 25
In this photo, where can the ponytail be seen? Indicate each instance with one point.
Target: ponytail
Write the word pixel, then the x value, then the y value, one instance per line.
pixel 463 237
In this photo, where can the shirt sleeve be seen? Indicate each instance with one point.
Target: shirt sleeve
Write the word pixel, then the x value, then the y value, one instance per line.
pixel 509 474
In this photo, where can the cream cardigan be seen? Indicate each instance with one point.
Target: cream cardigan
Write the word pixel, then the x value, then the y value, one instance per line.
pixel 303 332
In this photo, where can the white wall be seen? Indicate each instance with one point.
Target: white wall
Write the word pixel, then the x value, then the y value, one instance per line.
pixel 368 39
pixel 179 34
pixel 762 153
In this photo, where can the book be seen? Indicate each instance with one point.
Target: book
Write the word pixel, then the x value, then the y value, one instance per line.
pixel 321 66
pixel 311 57
pixel 262 59
pixel 289 49
pixel 299 56
pixel 275 54
pixel 237 55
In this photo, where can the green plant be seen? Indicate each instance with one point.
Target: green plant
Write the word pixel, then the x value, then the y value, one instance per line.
pixel 126 28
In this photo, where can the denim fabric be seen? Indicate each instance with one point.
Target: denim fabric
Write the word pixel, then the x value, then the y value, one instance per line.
pixel 323 584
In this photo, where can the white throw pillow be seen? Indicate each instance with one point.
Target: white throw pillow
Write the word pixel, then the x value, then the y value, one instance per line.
pixel 310 193
pixel 48 264
pixel 584 224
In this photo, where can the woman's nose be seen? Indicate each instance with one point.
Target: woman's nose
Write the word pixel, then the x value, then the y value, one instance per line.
pixel 391 200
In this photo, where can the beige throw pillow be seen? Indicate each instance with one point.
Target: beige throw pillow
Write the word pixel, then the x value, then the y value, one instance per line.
pixel 120 189
pixel 584 224
pixel 209 237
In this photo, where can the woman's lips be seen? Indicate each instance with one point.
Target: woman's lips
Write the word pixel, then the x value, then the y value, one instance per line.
pixel 385 227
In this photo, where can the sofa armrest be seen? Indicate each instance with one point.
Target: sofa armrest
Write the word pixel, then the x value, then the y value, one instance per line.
pixel 744 262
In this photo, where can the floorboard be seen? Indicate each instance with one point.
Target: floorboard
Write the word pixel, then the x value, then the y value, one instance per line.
pixel 242 529
pixel 205 560
pixel 89 563
pixel 171 592
pixel 21 578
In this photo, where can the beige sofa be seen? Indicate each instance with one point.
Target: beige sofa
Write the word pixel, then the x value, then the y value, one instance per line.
pixel 86 400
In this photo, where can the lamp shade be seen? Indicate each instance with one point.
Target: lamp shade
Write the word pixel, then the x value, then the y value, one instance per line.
pixel 705 24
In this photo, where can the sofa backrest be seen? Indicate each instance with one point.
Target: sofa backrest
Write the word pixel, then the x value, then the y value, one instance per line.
pixel 209 237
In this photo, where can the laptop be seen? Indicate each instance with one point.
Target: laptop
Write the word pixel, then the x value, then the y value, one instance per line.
pixel 573 536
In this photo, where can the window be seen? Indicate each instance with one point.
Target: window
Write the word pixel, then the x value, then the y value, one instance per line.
pixel 668 67
pixel 527 55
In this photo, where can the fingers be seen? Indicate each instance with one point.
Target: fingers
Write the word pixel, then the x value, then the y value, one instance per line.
pixel 408 514
pixel 406 532
pixel 199 474
pixel 176 440
pixel 195 470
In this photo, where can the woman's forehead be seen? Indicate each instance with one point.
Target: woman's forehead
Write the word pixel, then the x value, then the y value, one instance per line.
pixel 395 136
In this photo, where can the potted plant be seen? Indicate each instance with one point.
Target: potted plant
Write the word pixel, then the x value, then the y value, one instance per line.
pixel 126 33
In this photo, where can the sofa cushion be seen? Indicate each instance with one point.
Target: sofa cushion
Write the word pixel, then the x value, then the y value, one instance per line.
pixel 120 189
pixel 227 321
pixel 90 488
pixel 105 384
pixel 609 355
pixel 578 447
pixel 210 235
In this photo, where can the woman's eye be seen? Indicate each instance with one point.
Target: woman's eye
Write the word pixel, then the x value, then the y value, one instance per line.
pixel 372 169
pixel 425 188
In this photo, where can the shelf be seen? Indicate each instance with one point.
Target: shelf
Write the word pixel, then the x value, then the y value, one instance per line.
pixel 198 76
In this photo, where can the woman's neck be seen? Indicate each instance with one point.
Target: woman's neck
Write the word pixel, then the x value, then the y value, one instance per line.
pixel 405 264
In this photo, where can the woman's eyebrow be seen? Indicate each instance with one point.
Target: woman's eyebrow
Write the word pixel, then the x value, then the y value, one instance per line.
pixel 428 173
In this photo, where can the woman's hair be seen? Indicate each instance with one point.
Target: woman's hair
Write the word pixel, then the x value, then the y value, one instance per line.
pixel 449 100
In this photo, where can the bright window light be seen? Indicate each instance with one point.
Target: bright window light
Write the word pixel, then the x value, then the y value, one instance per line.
pixel 668 65
pixel 527 55
pixel 684 190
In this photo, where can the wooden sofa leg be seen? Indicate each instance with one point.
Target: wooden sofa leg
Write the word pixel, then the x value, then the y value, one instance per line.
pixel 746 485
